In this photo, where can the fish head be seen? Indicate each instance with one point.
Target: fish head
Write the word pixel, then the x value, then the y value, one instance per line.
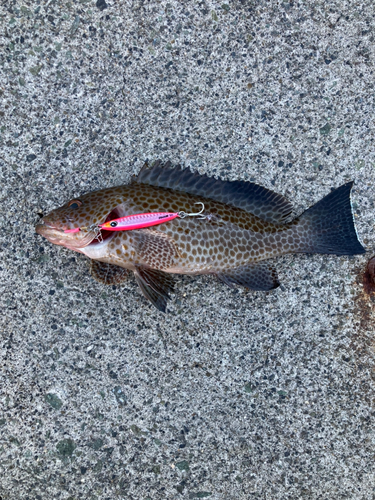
pixel 75 224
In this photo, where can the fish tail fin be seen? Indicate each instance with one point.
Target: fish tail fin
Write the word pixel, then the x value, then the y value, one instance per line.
pixel 328 226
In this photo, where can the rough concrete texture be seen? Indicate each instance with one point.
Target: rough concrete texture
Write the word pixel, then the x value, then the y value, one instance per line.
pixel 232 394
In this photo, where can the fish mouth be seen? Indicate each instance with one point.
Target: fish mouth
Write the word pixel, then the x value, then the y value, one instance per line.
pixel 74 241
pixel 43 228
pixel 89 236
pixel 57 236
pixel 47 229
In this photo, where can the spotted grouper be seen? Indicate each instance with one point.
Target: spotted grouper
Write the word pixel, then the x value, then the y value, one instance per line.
pixel 243 226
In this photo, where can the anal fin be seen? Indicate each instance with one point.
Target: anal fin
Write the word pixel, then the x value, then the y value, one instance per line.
pixel 108 274
pixel 259 276
pixel 155 285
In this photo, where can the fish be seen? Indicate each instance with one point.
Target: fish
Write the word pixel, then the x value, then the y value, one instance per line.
pixel 243 227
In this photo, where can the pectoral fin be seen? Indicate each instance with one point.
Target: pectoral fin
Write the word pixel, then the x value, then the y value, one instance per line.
pixel 259 276
pixel 155 286
pixel 155 248
pixel 108 274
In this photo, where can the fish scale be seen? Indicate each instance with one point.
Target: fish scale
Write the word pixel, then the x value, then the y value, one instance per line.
pixel 244 225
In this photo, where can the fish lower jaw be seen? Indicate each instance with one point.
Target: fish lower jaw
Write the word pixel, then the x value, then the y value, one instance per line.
pixel 48 231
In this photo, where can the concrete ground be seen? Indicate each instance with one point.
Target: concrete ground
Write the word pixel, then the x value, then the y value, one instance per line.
pixel 232 394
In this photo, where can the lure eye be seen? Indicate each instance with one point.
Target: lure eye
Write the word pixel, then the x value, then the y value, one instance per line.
pixel 75 204
pixel 113 224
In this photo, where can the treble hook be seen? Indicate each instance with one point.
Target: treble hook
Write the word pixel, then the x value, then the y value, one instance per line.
pixel 183 214
pixel 96 229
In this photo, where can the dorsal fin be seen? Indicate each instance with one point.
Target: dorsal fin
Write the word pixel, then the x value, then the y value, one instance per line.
pixel 259 201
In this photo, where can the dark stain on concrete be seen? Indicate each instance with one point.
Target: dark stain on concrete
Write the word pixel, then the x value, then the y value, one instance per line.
pixel 369 277
pixel 364 301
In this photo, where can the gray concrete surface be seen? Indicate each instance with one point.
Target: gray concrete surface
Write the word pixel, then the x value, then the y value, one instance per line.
pixel 232 394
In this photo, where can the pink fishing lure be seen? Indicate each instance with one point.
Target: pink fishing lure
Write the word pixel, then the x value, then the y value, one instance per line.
pixel 130 222
pixel 139 221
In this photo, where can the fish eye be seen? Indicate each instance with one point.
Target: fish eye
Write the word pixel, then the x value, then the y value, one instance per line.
pixel 113 224
pixel 74 204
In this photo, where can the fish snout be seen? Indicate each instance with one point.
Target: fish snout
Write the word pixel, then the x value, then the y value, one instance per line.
pixel 55 221
pixel 40 226
pixel 46 230
pixel 50 226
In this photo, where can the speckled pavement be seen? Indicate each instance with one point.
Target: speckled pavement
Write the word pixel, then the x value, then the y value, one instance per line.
pixel 232 394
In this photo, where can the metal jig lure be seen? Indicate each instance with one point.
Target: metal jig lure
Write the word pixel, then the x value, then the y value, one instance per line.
pixel 140 221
